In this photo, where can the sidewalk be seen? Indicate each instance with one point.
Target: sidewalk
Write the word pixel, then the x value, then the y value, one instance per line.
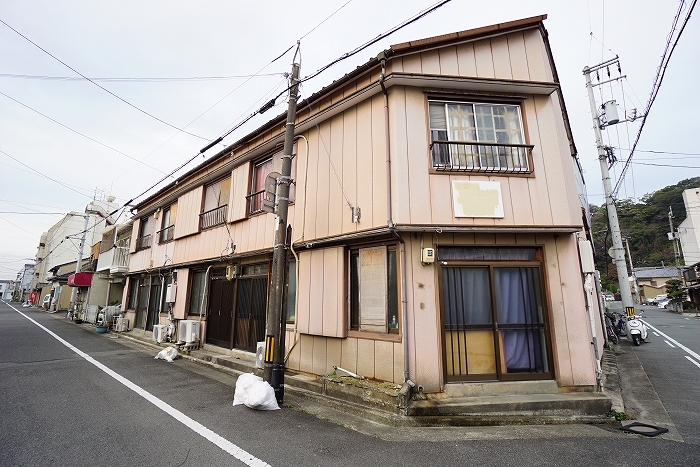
pixel 478 405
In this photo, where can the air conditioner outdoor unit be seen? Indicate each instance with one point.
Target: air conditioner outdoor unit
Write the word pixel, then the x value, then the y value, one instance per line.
pixel 260 355
pixel 188 331
pixel 159 331
pixel 121 324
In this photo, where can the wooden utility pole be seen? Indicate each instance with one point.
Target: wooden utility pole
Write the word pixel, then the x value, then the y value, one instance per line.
pixel 273 372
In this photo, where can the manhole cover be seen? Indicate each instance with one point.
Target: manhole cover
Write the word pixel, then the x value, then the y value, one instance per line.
pixel 644 429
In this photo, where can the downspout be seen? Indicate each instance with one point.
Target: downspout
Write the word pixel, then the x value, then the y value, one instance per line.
pixel 390 222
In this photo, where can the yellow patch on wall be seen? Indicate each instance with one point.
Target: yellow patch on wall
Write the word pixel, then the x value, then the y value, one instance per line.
pixel 477 199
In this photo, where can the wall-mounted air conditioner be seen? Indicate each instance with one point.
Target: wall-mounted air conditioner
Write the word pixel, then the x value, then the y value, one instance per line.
pixel 159 331
pixel 188 331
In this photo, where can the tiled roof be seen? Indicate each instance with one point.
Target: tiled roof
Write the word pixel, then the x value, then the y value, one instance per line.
pixel 649 273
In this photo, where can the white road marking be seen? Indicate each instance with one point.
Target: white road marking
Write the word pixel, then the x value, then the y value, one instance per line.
pixel 670 345
pixel 678 344
pixel 693 361
pixel 655 333
pixel 226 445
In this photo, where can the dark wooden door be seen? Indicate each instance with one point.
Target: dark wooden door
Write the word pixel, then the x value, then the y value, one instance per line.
pixel 251 306
pixel 220 312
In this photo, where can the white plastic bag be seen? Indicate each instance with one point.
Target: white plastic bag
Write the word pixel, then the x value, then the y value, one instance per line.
pixel 168 354
pixel 255 393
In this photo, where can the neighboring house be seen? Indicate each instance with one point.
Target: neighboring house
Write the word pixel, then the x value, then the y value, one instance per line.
pixel 55 249
pixel 691 277
pixel 459 143
pixel 689 229
pixel 61 281
pixel 112 263
pixel 652 281
pixel 6 289
pixel 23 283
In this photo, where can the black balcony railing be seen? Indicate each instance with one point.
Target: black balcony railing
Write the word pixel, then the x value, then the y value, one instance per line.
pixel 143 242
pixel 462 156
pixel 167 234
pixel 255 201
pixel 212 217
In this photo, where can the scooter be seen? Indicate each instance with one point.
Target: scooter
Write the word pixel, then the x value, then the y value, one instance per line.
pixel 636 329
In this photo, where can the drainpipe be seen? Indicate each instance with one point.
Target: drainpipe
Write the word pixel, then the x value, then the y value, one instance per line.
pixel 390 222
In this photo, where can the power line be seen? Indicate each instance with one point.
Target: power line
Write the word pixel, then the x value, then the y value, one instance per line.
pixel 271 103
pixel 81 134
pixel 137 80
pixel 96 84
pixel 34 213
pixel 658 79
pixel 43 175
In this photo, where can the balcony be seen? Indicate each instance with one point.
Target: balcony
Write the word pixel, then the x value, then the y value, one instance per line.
pixel 114 261
pixel 464 156
pixel 213 217
pixel 143 242
pixel 166 235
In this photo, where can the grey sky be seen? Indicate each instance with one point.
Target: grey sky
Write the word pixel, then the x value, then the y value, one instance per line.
pixel 184 39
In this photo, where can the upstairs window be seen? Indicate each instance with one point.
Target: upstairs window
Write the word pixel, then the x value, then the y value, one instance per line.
pixel 477 137
pixel 215 203
pixel 144 240
pixel 167 225
pixel 260 172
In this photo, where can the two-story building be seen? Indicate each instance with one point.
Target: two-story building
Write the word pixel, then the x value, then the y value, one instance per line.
pixel 435 221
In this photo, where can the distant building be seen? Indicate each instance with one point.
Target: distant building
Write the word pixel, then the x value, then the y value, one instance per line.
pixel 689 229
pixel 6 289
pixel 652 281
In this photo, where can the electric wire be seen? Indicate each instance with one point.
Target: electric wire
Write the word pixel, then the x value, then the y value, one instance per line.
pixel 81 134
pixel 43 175
pixel 98 85
pixel 658 79
pixel 138 80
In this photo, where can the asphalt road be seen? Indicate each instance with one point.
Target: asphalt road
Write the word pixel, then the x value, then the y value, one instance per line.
pixel 71 397
pixel 671 360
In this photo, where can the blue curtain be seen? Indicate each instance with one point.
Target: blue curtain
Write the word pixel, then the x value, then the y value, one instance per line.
pixel 520 319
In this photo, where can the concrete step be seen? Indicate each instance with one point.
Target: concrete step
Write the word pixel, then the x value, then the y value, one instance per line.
pixel 548 405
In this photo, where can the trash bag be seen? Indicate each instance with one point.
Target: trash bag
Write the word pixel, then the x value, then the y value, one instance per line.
pixel 168 354
pixel 255 393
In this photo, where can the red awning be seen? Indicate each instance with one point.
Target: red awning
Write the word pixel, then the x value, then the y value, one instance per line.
pixel 80 279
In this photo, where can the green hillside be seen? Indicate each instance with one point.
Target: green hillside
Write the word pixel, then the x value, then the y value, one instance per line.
pixel 645 224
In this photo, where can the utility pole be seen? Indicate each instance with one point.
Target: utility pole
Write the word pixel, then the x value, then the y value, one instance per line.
pixel 634 277
pixel 273 371
pixel 618 249
pixel 676 248
pixel 74 292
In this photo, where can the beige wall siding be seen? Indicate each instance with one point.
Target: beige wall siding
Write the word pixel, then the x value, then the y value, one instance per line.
pixel 180 306
pixel 321 296
pixel 189 208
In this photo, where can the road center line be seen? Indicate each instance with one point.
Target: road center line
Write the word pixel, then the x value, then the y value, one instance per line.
pixel 678 344
pixel 693 361
pixel 226 445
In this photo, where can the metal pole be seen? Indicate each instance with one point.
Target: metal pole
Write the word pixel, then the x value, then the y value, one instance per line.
pixel 74 292
pixel 618 249
pixel 274 366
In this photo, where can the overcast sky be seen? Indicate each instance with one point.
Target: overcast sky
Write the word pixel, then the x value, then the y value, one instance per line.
pixel 143 40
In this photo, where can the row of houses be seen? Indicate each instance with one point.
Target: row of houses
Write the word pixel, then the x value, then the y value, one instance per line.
pixel 438 225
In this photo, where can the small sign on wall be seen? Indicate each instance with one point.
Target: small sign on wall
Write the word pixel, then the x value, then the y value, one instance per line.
pixel 477 199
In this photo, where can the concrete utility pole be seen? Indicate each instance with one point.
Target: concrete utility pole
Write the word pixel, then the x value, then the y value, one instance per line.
pixel 618 249
pixel 74 292
pixel 634 277
pixel 275 330
pixel 676 247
